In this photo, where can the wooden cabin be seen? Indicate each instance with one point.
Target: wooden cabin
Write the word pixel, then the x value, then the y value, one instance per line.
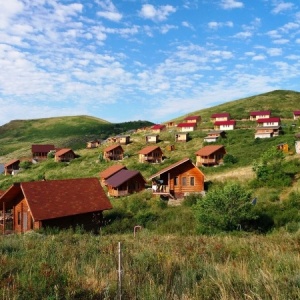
pixel 123 139
pixel 40 152
pixel 214 135
pixel 112 170
pixel 225 125
pixel 263 114
pixel 192 119
pixel 186 127
pixel 125 182
pixel 178 180
pixel 220 117
pixel 64 155
pixel 150 154
pixel 157 128
pixel 210 155
pixel 12 167
pixel 93 144
pixel 171 124
pixel 113 152
pixel 182 137
pixel 152 138
pixel 55 203
pixel 265 132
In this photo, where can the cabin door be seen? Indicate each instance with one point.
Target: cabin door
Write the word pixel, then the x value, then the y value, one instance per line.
pixel 25 227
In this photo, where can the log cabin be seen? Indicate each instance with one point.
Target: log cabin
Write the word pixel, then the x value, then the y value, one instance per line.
pixel 125 182
pixel 150 154
pixel 178 180
pixel 11 167
pixel 113 152
pixel 63 204
pixel 64 155
pixel 40 152
pixel 210 155
pixel 110 171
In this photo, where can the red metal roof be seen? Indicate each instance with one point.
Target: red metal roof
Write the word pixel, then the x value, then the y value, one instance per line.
pixel 11 162
pixel 268 120
pixel 260 113
pixel 186 125
pixel 63 151
pixel 230 122
pixel 208 150
pixel 175 165
pixel 112 147
pixel 121 177
pixel 297 112
pixel 158 126
pixel 149 149
pixel 111 171
pixel 42 148
pixel 220 115
pixel 59 198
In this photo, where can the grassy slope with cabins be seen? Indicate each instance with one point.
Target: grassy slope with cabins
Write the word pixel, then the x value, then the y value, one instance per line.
pixel 167 260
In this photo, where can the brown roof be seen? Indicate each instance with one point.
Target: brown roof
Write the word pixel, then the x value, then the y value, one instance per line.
pixel 122 176
pixel 208 150
pixel 112 147
pixel 59 198
pixel 63 151
pixel 148 149
pixel 111 171
pixel 42 148
pixel 11 162
pixel 182 161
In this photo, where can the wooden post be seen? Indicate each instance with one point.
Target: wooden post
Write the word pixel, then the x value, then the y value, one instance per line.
pixel 120 271
pixel 3 212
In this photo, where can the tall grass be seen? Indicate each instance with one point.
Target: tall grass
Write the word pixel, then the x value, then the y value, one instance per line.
pixel 71 265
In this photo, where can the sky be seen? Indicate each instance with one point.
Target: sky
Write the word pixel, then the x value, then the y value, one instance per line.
pixel 131 60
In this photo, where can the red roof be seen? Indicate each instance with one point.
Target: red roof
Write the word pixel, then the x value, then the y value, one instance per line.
pixel 230 122
pixel 260 113
pixel 60 198
pixel 208 150
pixel 112 147
pixel 63 151
pixel 268 120
pixel 175 165
pixel 111 171
pixel 149 149
pixel 186 125
pixel 297 112
pixel 121 177
pixel 220 115
pixel 158 126
pixel 42 148
pixel 192 118
pixel 11 162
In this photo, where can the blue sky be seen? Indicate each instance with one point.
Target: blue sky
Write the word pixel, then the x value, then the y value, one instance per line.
pixel 132 60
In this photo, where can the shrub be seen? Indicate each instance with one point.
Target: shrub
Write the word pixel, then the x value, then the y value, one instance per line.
pixel 230 159
pixel 25 164
pixel 191 199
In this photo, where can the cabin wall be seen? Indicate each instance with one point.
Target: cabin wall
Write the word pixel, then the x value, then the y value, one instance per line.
pixel 22 220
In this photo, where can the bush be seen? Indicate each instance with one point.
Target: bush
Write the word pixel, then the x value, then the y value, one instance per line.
pixel 230 159
pixel 191 199
pixel 25 164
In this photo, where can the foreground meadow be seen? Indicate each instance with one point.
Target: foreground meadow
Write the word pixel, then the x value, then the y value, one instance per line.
pixel 70 265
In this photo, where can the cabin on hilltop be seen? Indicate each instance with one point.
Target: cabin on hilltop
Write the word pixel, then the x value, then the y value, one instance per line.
pixel 192 119
pixel 151 154
pixel 214 135
pixel 12 167
pixel 152 138
pixel 210 155
pixel 263 114
pixel 157 128
pixel 225 125
pixel 93 144
pixel 64 155
pixel 220 117
pixel 113 152
pixel 55 204
pixel 182 137
pixel 125 182
pixel 110 171
pixel 186 127
pixel 40 152
pixel 178 180
pixel 296 114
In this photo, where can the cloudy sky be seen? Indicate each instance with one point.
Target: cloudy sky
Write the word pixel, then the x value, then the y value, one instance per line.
pixel 128 60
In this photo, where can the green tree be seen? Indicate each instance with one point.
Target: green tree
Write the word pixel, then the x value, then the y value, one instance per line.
pixel 224 209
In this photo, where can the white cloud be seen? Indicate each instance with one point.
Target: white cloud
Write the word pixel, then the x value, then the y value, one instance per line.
pixel 216 25
pixel 282 6
pixel 9 9
pixel 230 4
pixel 243 35
pixel 109 12
pixel 258 57
pixel 274 51
pixel 281 41
pixel 159 14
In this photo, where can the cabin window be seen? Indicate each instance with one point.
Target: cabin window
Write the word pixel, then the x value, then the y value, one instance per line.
pixel 19 218
pixel 183 181
pixel 192 181
pixel 176 181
